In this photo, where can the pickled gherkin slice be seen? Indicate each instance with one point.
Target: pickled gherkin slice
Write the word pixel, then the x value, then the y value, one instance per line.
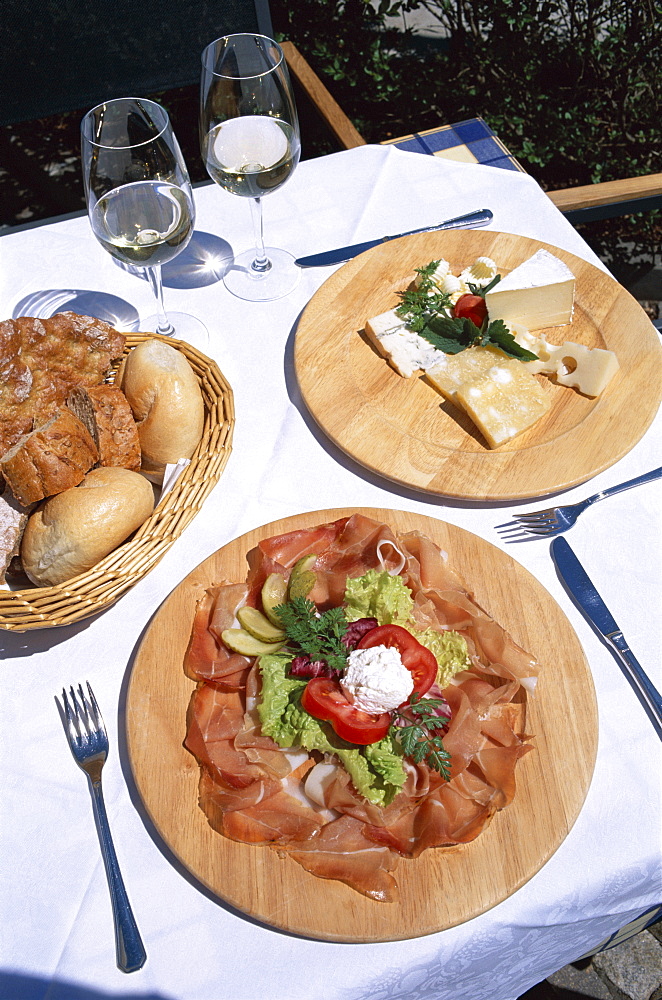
pixel 257 624
pixel 241 641
pixel 274 592
pixel 302 578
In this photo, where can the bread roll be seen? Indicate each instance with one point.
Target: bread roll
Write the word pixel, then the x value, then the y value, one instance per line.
pixel 50 459
pixel 105 411
pixel 71 532
pixel 166 400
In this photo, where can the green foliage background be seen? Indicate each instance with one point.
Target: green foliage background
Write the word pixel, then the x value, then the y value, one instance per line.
pixel 573 87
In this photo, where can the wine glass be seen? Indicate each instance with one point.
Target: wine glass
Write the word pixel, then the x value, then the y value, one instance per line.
pixel 139 197
pixel 249 137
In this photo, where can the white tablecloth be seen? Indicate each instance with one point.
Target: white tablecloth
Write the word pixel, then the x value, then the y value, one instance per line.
pixel 57 939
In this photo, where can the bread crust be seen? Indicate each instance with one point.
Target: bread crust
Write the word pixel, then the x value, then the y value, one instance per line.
pixel 166 400
pixel 105 411
pixel 70 533
pixel 40 362
pixel 50 459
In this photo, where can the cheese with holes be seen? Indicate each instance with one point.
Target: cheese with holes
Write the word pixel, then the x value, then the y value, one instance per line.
pixel 539 293
pixel 461 368
pixel 404 350
pixel 588 369
pixel 503 401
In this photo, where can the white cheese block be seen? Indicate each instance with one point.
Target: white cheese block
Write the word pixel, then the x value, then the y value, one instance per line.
pixel 588 369
pixel 385 323
pixel 404 350
pixel 461 368
pixel 503 401
pixel 539 293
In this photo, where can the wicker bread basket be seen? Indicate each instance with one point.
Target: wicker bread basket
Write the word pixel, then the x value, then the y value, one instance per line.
pixel 91 592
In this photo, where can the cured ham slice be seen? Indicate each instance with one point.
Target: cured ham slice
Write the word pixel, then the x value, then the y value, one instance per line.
pixel 253 791
pixel 343 852
pixel 207 658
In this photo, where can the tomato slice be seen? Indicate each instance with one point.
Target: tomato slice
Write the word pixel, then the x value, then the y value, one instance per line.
pixel 418 659
pixel 323 698
pixel 472 307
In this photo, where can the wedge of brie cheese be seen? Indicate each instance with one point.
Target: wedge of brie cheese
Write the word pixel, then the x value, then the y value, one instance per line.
pixel 503 401
pixel 538 293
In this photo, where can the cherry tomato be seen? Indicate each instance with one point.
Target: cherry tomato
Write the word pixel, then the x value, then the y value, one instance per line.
pixel 418 659
pixel 472 307
pixel 323 698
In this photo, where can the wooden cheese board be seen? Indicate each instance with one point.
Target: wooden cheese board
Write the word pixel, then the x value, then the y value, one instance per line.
pixel 404 430
pixel 444 886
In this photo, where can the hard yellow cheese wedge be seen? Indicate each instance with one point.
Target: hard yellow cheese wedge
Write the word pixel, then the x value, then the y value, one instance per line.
pixel 503 401
pixel 457 369
pixel 588 369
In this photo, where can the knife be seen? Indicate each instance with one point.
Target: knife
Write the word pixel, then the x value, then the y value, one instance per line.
pixel 469 221
pixel 588 600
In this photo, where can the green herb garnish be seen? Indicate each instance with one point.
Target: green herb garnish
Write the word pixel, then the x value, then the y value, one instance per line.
pixel 428 312
pixel 416 733
pixel 319 636
pixel 483 289
pixel 422 302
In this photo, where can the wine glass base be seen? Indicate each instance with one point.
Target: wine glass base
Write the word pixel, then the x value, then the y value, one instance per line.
pixel 281 278
pixel 186 327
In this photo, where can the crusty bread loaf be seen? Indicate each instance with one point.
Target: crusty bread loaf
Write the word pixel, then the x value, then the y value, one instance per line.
pixel 71 532
pixel 42 359
pixel 166 400
pixel 13 518
pixel 105 411
pixel 50 459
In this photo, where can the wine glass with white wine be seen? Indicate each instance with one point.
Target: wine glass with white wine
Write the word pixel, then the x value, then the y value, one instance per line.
pixel 139 197
pixel 249 137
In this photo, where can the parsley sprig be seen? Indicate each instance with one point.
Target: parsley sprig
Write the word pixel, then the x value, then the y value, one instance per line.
pixel 319 636
pixel 416 727
pixel 428 312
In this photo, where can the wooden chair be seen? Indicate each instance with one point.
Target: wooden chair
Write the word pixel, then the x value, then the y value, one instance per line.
pixel 609 199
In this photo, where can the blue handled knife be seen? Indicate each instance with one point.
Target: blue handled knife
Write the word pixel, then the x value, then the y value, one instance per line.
pixel 339 256
pixel 598 614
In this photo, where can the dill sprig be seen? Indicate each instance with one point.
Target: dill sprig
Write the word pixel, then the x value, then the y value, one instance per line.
pixel 415 731
pixel 317 635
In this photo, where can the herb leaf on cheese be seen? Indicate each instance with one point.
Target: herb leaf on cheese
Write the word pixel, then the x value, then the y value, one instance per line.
pixel 499 335
pixel 450 335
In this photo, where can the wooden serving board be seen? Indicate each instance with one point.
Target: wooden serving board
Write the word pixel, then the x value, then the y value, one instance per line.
pixel 405 430
pixel 443 887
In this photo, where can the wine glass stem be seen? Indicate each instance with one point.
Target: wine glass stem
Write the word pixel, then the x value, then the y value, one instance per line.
pixel 261 264
pixel 165 327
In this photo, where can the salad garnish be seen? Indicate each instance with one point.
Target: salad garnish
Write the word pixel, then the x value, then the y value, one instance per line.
pixel 323 641
pixel 415 726
pixel 450 328
pixel 318 636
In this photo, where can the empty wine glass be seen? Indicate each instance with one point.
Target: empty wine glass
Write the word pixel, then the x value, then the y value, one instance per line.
pixel 249 137
pixel 139 197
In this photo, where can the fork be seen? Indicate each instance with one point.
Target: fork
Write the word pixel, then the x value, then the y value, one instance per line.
pixel 555 520
pixel 89 745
